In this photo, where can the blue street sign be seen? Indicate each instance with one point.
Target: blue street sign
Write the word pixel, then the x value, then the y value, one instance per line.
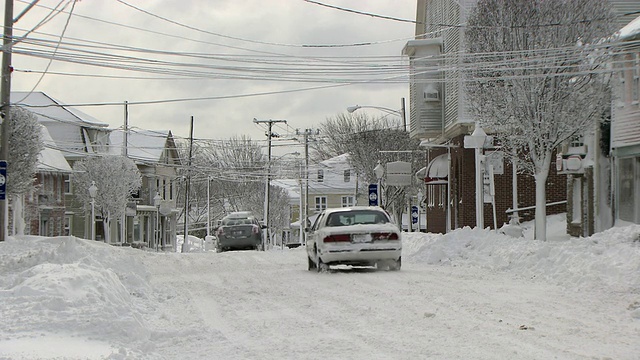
pixel 373 194
pixel 414 214
pixel 3 180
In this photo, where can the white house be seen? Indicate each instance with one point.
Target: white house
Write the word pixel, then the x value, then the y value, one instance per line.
pixel 75 135
pixel 152 217
pixel 625 125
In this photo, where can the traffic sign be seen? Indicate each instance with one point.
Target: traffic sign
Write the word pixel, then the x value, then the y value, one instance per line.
pixel 3 180
pixel 414 214
pixel 373 194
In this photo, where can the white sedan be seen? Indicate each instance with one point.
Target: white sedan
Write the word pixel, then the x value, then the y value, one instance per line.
pixel 355 236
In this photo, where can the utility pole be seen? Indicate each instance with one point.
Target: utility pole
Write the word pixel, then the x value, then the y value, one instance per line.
pixel 5 96
pixel 125 153
pixel 5 99
pixel 306 182
pixel 304 210
pixel 404 115
pixel 268 180
pixel 186 193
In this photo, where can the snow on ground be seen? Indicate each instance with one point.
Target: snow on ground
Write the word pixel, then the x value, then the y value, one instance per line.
pixel 470 294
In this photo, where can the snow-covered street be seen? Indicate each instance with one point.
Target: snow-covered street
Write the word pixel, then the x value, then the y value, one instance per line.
pixel 468 295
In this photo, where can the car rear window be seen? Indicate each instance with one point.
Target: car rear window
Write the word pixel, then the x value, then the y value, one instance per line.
pixel 236 221
pixel 356 217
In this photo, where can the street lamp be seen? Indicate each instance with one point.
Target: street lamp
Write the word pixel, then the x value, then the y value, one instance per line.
pixel 93 190
pixel 156 202
pixel 208 209
pixel 379 171
pixel 476 141
pixel 401 113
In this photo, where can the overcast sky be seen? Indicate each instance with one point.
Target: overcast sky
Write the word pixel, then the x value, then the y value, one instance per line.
pixel 221 50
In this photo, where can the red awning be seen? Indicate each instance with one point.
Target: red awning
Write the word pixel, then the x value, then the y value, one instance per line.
pixel 437 172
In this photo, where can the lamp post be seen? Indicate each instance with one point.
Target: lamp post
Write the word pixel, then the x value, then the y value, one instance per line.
pixel 379 171
pixel 401 113
pixel 93 190
pixel 208 208
pixel 476 141
pixel 156 202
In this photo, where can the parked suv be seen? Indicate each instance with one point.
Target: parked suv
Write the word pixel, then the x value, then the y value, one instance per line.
pixel 239 231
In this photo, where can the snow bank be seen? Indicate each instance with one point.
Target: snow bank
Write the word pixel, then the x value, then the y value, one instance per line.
pixel 610 258
pixel 88 288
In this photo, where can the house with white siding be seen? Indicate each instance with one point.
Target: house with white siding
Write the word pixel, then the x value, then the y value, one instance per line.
pixel 152 214
pixel 332 183
pixel 625 125
pixel 44 212
pixel 75 135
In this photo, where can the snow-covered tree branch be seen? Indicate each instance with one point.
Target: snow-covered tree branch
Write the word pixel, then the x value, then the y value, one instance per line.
pixel 25 139
pixel 116 177
pixel 534 80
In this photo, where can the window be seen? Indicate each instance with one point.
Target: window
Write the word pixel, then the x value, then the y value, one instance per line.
pixel 320 175
pixel 321 203
pixel 628 197
pixel 347 175
pixel 347 201
pixel 636 81
pixel 67 184
pixel 44 226
pixel 66 230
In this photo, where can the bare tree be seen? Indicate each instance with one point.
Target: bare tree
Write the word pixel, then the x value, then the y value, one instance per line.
pixel 369 140
pixel 25 139
pixel 536 78
pixel 117 179
pixel 236 172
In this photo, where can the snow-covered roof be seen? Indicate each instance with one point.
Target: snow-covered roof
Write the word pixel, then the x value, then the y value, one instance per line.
pixel 291 186
pixel 50 159
pixel 143 145
pixel 631 30
pixel 49 109
pixel 337 161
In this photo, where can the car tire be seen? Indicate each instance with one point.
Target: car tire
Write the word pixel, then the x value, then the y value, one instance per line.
pixel 395 265
pixel 322 267
pixel 311 265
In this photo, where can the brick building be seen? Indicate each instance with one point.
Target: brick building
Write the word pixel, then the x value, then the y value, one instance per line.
pixel 462 195
pixel 439 117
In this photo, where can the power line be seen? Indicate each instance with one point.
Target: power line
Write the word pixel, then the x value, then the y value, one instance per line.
pixel 361 12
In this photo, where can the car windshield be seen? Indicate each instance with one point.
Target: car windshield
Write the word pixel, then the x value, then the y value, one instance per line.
pixel 356 217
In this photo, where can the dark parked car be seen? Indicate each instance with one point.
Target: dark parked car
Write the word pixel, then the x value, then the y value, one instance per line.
pixel 239 231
